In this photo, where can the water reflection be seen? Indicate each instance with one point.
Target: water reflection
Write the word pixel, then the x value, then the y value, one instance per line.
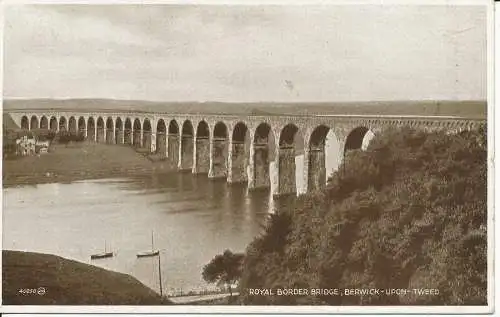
pixel 193 219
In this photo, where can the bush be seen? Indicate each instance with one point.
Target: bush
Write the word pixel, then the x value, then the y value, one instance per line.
pixel 409 212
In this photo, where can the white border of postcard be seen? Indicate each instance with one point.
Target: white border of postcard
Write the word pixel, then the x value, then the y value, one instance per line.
pixel 283 310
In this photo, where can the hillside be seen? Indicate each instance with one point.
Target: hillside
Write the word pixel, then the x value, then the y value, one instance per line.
pixel 408 213
pixel 472 109
pixel 67 282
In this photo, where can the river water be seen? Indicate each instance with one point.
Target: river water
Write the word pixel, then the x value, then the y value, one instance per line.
pixel 192 219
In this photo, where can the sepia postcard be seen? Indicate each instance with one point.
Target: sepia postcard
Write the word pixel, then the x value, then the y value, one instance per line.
pixel 273 157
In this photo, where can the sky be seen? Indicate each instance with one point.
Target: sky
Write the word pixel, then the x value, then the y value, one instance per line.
pixel 245 53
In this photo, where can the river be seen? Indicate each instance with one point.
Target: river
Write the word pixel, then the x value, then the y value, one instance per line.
pixel 192 219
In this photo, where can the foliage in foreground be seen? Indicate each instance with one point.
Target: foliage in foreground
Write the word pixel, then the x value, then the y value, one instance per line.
pixel 224 269
pixel 410 212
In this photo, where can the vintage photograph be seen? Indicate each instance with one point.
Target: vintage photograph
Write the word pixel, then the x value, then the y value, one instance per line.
pixel 233 154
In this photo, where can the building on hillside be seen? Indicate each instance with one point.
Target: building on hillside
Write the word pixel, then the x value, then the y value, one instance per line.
pixel 25 146
pixel 42 147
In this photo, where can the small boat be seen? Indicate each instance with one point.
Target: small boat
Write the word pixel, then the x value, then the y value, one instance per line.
pixel 152 252
pixel 102 255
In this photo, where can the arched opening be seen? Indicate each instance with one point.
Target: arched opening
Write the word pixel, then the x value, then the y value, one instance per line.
pixel 100 130
pixel 127 138
pixel 264 150
pixel 44 123
pixel 110 131
pixel 186 146
pixel 325 156
pixel 240 153
pixel 119 131
pixel 25 125
pixel 34 123
pixel 81 126
pixel 161 138
pixel 62 124
pixel 291 160
pixel 202 162
pixel 72 125
pixel 137 133
pixel 219 151
pixel 358 138
pixel 173 142
pixel 146 134
pixel 91 130
pixel 53 124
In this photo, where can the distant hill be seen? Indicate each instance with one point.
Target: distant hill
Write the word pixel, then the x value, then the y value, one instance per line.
pixel 67 282
pixel 472 109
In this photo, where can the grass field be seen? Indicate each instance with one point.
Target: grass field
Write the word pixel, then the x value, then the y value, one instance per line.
pixel 79 161
pixel 42 279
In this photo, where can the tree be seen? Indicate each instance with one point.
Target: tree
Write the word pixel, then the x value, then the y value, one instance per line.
pixel 224 269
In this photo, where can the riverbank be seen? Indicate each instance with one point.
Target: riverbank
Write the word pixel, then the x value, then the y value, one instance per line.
pixel 43 279
pixel 79 161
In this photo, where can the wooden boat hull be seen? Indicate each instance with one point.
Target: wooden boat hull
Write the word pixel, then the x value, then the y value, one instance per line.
pixel 101 255
pixel 148 253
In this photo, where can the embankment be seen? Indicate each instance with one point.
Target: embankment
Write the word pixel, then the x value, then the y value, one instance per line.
pixel 79 161
pixel 43 279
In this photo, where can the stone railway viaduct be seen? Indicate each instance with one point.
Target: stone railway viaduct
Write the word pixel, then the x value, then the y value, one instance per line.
pixel 260 150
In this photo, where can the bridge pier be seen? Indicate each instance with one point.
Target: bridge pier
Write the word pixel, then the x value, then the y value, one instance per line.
pixel 238 162
pixel 218 158
pixel 286 171
pixel 201 162
pixel 186 153
pixel 146 140
pixel 260 168
pixel 173 148
pixel 161 141
pixel 119 136
pixel 316 170
pixel 137 138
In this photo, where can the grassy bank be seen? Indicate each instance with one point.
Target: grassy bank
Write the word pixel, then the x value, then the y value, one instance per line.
pixel 79 161
pixel 58 281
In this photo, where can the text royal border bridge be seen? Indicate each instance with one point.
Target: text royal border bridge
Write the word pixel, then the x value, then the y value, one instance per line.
pixel 288 153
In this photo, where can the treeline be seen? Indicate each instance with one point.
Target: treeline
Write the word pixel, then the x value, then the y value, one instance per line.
pixel 64 137
pixel 410 212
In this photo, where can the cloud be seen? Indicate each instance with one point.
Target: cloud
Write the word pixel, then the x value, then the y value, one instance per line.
pixel 240 53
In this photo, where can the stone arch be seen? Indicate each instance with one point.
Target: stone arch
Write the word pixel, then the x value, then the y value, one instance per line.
pixel 186 160
pixel 127 139
pixel 91 129
pixel 44 123
pixel 34 122
pixel 25 124
pixel 72 124
pixel 173 141
pixel 110 131
pixel 201 164
pixel 81 126
pixel 119 131
pixel 240 153
pixel 62 124
pixel 325 156
pixel 137 128
pixel 161 138
pixel 101 130
pixel 291 160
pixel 220 151
pixel 358 138
pixel 263 156
pixel 53 123
pixel 146 134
